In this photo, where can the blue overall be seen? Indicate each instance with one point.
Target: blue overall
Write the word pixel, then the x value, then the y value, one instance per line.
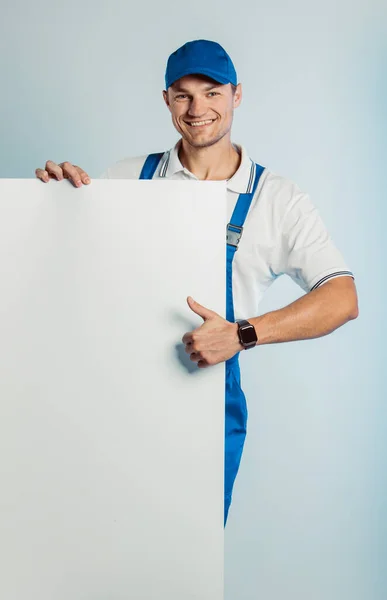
pixel 235 408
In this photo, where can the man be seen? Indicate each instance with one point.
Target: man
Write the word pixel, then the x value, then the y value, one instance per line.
pixel 273 229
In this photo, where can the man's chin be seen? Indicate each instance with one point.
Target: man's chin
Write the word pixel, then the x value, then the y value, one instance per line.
pixel 202 143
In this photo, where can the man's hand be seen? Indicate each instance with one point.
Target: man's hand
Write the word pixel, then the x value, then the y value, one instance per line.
pixel 213 342
pixel 64 170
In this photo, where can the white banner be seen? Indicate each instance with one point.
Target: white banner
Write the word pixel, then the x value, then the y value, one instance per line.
pixel 111 440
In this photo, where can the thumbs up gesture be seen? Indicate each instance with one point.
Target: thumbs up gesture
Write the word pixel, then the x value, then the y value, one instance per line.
pixel 215 341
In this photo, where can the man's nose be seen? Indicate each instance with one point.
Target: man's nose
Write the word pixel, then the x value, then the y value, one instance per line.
pixel 197 107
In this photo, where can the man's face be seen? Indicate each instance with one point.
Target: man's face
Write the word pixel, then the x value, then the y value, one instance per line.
pixel 202 110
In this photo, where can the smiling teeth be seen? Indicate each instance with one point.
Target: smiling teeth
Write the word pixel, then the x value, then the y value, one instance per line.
pixel 199 123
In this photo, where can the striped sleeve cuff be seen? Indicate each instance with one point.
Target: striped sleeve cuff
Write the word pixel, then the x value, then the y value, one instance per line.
pixel 331 276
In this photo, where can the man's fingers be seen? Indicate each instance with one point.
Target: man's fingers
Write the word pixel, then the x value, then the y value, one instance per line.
pixel 51 171
pixel 83 175
pixel 187 338
pixel 202 363
pixel 200 310
pixel 188 348
pixel 42 175
pixel 71 172
pixel 64 170
pixel 54 171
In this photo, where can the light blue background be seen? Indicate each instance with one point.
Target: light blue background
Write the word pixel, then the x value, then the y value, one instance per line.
pixel 82 81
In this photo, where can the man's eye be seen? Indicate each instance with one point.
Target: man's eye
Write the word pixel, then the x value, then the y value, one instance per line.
pixel 181 96
pixel 213 94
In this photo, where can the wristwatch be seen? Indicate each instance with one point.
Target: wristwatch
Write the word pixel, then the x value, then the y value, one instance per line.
pixel 247 334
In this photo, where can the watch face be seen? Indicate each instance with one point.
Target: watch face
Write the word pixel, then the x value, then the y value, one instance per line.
pixel 248 334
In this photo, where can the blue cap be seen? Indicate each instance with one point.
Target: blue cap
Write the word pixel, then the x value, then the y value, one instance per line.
pixel 200 57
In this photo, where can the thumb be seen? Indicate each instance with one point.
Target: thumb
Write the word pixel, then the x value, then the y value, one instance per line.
pixel 200 310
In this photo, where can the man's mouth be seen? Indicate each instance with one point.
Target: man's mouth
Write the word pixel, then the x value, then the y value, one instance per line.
pixel 200 123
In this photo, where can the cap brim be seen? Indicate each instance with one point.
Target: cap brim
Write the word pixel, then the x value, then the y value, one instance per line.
pixel 201 71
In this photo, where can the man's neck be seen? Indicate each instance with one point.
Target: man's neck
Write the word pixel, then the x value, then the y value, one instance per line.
pixel 215 163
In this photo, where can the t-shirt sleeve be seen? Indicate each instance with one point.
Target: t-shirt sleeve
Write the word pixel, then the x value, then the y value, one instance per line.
pixel 309 255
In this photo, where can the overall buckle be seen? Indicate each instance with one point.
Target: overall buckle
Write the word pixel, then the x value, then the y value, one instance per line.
pixel 234 234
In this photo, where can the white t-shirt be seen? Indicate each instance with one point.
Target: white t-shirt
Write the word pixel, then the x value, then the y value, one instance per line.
pixel 283 231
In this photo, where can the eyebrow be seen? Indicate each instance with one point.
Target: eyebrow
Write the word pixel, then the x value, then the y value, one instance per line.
pixel 208 87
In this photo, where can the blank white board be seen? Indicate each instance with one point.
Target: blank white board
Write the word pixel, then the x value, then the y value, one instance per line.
pixel 111 440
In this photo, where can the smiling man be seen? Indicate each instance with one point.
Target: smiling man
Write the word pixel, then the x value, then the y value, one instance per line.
pixel 273 229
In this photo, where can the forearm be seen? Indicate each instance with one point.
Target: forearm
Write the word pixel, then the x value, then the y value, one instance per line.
pixel 315 314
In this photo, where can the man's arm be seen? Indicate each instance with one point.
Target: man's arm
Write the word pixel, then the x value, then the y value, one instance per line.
pixel 313 315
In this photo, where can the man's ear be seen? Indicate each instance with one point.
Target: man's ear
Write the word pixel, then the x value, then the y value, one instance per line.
pixel 238 95
pixel 166 99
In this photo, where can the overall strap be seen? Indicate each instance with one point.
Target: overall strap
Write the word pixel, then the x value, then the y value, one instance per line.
pixel 150 165
pixel 234 234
